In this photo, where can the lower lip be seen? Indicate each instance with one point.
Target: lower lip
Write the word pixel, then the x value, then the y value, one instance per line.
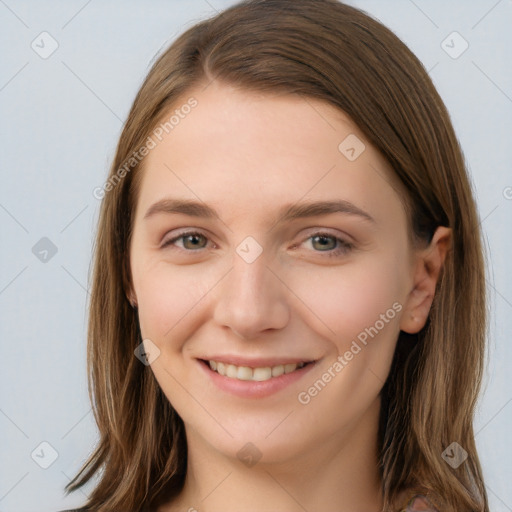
pixel 251 388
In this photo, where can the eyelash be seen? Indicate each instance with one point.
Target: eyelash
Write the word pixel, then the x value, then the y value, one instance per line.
pixel 344 247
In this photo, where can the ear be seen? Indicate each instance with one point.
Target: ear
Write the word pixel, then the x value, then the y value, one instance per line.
pixel 127 284
pixel 429 263
pixel 132 298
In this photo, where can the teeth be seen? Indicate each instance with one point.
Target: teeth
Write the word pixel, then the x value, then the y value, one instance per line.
pixel 261 374
pixel 231 371
pixel 277 370
pixel 244 373
pixel 288 368
pixel 255 374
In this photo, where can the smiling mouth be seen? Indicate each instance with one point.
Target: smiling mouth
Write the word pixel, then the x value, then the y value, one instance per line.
pixel 253 374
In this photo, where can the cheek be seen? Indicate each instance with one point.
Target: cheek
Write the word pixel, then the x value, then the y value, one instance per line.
pixel 348 299
pixel 167 295
pixel 341 301
pixel 336 306
pixel 361 307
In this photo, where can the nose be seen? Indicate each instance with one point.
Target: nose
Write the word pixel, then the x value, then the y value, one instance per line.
pixel 251 299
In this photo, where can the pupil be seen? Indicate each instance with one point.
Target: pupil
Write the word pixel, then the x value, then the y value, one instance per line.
pixel 193 239
pixel 324 240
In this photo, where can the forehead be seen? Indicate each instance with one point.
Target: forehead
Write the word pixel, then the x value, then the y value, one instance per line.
pixel 240 150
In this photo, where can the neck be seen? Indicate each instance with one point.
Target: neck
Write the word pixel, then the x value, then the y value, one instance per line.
pixel 338 474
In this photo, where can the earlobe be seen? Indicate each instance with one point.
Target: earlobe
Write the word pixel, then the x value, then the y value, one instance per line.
pixel 131 298
pixel 428 268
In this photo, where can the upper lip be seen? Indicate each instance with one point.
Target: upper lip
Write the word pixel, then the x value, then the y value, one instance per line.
pixel 256 362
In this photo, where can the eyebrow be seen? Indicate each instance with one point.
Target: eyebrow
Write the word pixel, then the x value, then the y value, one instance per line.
pixel 286 213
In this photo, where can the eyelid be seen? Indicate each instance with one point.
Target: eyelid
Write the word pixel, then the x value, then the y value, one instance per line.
pixel 185 232
pixel 311 232
pixel 344 241
pixel 345 237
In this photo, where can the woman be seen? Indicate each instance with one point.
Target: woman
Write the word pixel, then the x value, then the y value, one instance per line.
pixel 239 362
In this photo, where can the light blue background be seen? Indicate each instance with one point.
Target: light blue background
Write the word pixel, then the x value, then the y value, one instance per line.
pixel 60 121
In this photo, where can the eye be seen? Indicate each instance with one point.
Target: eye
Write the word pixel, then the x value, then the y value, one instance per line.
pixel 321 240
pixel 190 241
pixel 195 240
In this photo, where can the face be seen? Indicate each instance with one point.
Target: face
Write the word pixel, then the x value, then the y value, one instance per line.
pixel 237 281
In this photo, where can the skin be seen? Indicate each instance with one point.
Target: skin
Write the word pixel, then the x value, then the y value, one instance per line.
pixel 247 154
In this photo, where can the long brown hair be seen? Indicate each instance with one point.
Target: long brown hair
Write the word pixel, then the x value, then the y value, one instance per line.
pixel 326 50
